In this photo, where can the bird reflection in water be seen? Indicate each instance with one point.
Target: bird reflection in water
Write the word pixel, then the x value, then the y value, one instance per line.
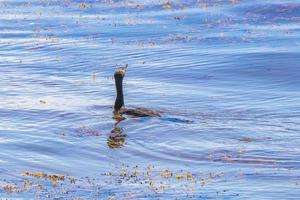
pixel 117 136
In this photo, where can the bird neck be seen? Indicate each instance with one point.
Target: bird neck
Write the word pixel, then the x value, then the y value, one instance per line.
pixel 120 98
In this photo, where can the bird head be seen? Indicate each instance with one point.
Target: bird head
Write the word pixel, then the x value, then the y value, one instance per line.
pixel 120 72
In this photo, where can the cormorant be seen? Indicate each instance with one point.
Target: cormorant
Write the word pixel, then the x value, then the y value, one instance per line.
pixel 119 108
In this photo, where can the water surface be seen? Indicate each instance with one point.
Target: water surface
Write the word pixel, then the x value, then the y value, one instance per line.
pixel 225 75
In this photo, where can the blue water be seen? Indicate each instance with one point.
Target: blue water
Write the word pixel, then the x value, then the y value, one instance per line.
pixel 224 74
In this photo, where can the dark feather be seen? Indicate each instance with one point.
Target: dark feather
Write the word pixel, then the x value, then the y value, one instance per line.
pixel 139 112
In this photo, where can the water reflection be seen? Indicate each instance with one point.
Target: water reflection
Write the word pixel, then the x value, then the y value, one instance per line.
pixel 116 138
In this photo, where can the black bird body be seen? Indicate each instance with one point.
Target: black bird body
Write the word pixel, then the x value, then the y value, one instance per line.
pixel 139 112
pixel 119 108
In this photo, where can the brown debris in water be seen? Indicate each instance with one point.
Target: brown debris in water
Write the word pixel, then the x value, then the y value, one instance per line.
pixel 94 76
pixel 148 179
pixel 43 102
pixel 166 174
pixel 246 139
pixel 84 5
pixel 167 5
pixel 42 175
pixel 11 188
pixel 179 17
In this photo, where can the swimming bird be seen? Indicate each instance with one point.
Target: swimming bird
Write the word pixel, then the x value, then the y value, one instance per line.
pixel 119 107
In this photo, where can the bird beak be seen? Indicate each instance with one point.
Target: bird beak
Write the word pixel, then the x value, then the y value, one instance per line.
pixel 125 68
